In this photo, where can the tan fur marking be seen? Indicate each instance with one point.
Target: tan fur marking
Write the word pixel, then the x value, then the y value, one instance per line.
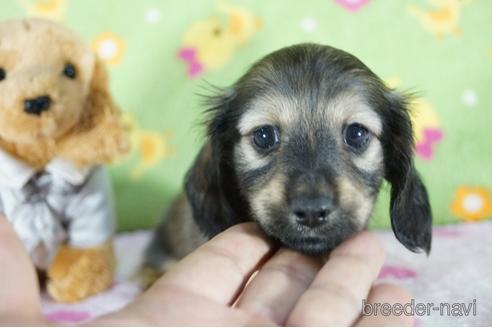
pixel 350 108
pixel 352 197
pixel 275 109
pixel 371 160
pixel 246 157
pixel 270 194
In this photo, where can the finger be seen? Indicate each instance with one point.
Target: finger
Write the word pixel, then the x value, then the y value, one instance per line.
pixel 197 289
pixel 374 314
pixel 219 269
pixel 335 296
pixel 278 285
pixel 178 309
pixel 16 306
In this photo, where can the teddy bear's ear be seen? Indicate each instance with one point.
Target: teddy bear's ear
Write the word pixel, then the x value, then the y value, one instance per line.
pixel 99 81
pixel 100 136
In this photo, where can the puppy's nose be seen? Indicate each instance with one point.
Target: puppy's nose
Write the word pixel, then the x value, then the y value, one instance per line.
pixel 312 211
pixel 36 106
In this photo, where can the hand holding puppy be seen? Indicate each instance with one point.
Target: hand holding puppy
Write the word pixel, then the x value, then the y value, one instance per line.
pixel 289 289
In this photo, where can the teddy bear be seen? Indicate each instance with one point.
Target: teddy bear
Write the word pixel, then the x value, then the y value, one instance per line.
pixel 58 127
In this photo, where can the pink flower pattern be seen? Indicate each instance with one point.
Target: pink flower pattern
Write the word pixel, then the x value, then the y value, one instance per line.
pixel 190 57
pixel 352 5
pixel 390 271
pixel 68 316
pixel 425 148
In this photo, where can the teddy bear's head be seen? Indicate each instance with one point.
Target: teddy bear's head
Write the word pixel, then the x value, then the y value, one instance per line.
pixel 53 91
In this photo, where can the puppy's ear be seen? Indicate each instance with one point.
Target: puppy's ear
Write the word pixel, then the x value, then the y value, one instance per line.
pixel 100 136
pixel 211 183
pixel 410 211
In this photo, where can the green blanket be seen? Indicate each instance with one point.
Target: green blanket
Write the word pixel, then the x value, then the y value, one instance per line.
pixel 161 54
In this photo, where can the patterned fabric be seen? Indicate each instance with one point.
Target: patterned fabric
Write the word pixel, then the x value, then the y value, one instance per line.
pixel 162 53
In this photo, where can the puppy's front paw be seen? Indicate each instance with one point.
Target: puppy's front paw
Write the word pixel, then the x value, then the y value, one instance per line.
pixel 77 273
pixel 148 275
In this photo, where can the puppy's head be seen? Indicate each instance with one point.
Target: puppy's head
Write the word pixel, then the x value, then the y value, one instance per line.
pixel 301 144
pixel 45 77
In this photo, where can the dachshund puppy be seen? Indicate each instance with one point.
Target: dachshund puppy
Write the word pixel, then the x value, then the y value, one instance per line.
pixel 300 144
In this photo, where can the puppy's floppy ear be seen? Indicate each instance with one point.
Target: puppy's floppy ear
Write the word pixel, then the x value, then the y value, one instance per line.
pixel 410 211
pixel 100 136
pixel 211 184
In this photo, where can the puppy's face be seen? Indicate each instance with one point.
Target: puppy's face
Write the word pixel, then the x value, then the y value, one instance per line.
pixel 45 72
pixel 310 167
pixel 302 143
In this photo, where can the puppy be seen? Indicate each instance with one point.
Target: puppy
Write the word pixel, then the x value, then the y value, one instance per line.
pixel 300 144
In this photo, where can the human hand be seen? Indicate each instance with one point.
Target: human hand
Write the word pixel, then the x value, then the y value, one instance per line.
pixel 19 291
pixel 209 286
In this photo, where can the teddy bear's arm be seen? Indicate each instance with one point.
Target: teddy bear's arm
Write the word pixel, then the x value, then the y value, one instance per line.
pixel 77 273
pixel 91 212
pixel 85 266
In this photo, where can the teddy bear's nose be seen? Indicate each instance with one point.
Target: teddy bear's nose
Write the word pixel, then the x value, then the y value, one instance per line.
pixel 37 105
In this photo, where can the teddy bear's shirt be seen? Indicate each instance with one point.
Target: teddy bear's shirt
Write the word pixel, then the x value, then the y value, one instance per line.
pixel 61 204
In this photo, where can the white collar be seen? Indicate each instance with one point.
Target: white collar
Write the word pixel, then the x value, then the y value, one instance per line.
pixel 16 173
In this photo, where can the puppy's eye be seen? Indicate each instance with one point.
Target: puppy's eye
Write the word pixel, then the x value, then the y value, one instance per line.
pixel 356 136
pixel 266 138
pixel 3 74
pixel 70 71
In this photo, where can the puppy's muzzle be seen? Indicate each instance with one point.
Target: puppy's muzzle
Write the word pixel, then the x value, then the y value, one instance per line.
pixel 312 211
pixel 36 106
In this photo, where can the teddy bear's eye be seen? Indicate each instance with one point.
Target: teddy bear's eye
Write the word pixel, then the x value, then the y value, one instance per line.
pixel 70 71
pixel 3 74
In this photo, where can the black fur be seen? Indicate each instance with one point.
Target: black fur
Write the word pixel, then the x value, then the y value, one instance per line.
pixel 211 183
pixel 410 211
